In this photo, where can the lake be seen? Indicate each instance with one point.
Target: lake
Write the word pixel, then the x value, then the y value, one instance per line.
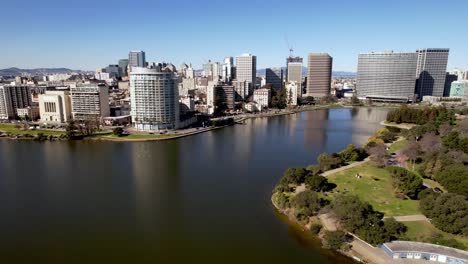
pixel 199 199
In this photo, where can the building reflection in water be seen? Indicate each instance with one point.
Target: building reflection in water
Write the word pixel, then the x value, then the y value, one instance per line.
pixel 156 173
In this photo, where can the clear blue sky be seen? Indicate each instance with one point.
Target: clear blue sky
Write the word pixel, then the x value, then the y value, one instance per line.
pixel 89 34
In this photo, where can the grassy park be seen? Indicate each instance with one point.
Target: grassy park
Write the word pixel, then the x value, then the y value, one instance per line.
pixel 423 231
pixel 14 129
pixel 374 187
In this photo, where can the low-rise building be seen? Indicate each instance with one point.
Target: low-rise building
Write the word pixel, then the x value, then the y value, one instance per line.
pixel 459 89
pixel 424 251
pixel 55 106
pixel 28 113
pixel 262 96
pixel 291 93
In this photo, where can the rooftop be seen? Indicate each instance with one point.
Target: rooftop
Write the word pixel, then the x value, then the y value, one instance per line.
pixel 408 246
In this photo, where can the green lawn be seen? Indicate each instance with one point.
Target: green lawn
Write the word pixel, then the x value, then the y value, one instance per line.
pixel 421 231
pixel 10 128
pixel 398 145
pixel 375 187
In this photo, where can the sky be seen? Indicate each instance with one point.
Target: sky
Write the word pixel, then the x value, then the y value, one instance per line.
pixel 90 34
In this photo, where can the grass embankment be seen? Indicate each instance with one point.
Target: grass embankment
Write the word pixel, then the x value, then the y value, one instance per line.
pixel 374 187
pixel 398 145
pixel 423 231
pixel 12 129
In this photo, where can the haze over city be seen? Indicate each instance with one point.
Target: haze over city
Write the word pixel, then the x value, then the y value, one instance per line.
pixel 88 34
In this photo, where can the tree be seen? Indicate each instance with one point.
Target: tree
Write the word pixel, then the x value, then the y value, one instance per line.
pixel 405 181
pixel 306 204
pixel 70 129
pixel 394 228
pixel 335 239
pixel 118 131
pixel 378 154
pixel 454 178
pixel 448 211
pixel 444 129
pixel 430 142
pixel 454 141
pixel 351 153
pixel 355 100
pixel 316 183
pixel 411 151
pixel 327 162
pixel 279 100
pixel 294 176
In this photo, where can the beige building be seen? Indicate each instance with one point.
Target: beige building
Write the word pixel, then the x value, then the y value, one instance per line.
pixel 262 97
pixel 291 93
pixel 55 106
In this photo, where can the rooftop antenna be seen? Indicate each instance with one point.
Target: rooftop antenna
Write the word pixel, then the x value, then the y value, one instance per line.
pixel 291 50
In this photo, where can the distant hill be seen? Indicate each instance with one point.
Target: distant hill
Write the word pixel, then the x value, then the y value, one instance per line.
pixel 304 73
pixel 37 72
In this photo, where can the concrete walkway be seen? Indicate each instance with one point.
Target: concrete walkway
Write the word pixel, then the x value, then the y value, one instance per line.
pixel 352 165
pixel 410 218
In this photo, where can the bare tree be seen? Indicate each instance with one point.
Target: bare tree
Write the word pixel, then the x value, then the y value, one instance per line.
pixel 457 156
pixel 463 126
pixel 445 129
pixel 430 142
pixel 378 154
pixel 411 151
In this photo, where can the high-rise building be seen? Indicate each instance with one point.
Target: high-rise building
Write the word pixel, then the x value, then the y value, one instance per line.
pixel 386 76
pixel 246 69
pixel 123 67
pixel 136 58
pixel 242 90
pixel 154 99
pixel 449 79
pixel 319 74
pixel 13 97
pixel 55 106
pixel 113 70
pixel 89 101
pixel 228 69
pixel 294 72
pixel 431 72
pixel 274 76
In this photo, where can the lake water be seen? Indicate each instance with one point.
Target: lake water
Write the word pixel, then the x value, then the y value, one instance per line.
pixel 199 199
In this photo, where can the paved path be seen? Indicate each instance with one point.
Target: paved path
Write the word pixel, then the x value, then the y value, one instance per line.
pixel 352 165
pixel 410 218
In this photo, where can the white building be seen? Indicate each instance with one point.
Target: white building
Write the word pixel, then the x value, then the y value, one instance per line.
pixel 55 106
pixel 30 112
pixel 228 69
pixel 154 99
pixel 246 69
pixel 89 101
pixel 291 93
pixel 262 96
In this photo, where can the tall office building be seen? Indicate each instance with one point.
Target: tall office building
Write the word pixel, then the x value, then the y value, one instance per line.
pixel 386 76
pixel 430 72
pixel 246 69
pixel 319 74
pixel 123 67
pixel 12 98
pixel 294 72
pixel 154 98
pixel 228 69
pixel 136 58
pixel 89 101
pixel 449 79
pixel 274 76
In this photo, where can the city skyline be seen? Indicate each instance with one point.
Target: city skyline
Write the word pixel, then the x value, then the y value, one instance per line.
pixel 50 36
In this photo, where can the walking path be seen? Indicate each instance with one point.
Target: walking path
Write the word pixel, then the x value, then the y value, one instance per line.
pixel 410 218
pixel 352 165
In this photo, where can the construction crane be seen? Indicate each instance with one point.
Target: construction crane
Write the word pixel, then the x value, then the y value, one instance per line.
pixel 291 50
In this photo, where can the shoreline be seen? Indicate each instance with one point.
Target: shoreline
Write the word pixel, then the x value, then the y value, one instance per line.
pixel 164 137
